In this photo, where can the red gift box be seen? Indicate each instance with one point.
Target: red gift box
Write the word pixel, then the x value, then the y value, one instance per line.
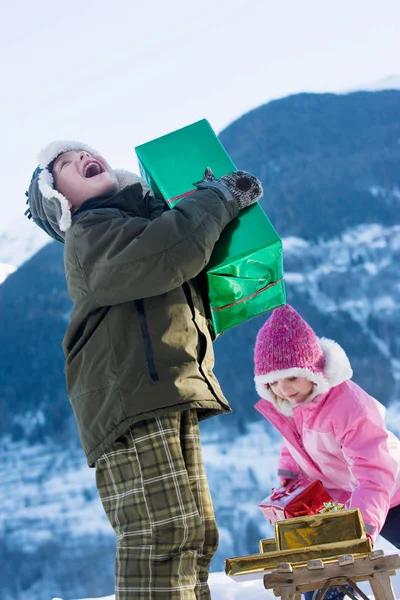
pixel 302 497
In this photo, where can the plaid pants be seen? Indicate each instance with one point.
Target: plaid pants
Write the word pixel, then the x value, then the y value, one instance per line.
pixel 154 490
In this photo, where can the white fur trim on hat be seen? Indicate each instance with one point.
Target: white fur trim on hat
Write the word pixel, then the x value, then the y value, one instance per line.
pixel 262 380
pixel 126 178
pixel 337 369
pixel 337 366
pixel 46 180
pixel 46 187
pixel 54 149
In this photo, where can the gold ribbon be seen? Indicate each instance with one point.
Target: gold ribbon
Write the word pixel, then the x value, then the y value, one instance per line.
pixel 332 507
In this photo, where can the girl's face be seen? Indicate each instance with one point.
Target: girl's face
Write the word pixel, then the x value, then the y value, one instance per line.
pixel 294 389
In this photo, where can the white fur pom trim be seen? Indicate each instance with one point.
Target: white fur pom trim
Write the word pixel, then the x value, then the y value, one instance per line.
pixel 337 366
pixel 337 369
pixel 266 393
pixel 284 406
pixel 47 190
pixel 54 149
pixel 126 178
pixel 65 220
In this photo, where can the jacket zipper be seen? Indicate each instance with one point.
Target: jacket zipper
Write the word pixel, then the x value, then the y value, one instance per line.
pixel 148 350
pixel 201 335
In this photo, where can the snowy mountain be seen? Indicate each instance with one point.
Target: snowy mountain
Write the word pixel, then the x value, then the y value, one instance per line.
pixel 5 271
pixel 368 256
pixel 18 242
pixel 329 167
pixel 387 83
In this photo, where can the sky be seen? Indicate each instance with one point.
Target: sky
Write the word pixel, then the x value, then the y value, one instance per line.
pixel 117 74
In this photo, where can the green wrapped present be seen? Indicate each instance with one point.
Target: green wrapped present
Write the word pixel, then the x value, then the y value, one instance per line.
pixel 245 273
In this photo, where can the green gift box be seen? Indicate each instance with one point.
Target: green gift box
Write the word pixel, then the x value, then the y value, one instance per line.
pixel 245 273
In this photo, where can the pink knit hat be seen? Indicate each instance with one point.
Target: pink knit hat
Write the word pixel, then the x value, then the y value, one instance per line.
pixel 287 346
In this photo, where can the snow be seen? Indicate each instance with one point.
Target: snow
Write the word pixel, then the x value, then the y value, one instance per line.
pixel 5 271
pixel 384 303
pixel 294 278
pixel 292 243
pixel 393 417
pixel 367 254
pixel 244 587
pixel 224 588
pixel 51 492
pixel 387 83
pixel 390 195
pixel 18 242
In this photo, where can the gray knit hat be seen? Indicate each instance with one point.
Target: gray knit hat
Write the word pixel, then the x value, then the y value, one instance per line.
pixel 48 207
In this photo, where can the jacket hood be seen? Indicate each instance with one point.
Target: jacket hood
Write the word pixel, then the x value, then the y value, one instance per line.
pixel 337 369
pixel 49 208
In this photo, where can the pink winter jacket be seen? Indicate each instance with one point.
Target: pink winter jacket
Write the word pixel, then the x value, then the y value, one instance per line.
pixel 341 439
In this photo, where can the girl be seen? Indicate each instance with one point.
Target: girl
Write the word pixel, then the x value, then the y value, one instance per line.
pixel 332 429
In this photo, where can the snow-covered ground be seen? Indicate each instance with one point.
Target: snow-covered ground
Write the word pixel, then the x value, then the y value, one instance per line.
pixel 251 586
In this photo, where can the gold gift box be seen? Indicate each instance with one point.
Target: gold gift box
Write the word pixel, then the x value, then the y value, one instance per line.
pixel 268 545
pixel 266 561
pixel 322 528
pixel 298 540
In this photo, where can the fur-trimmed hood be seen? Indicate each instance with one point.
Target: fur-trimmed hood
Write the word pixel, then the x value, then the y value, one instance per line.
pixel 49 208
pixel 336 370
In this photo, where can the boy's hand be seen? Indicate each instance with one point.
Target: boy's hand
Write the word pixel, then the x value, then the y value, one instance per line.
pixel 244 187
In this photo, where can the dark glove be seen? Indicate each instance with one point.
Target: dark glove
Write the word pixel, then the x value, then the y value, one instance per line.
pixel 245 188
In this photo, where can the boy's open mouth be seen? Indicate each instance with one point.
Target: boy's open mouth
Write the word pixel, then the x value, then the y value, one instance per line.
pixel 92 169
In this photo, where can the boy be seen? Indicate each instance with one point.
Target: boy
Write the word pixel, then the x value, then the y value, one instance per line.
pixel 139 356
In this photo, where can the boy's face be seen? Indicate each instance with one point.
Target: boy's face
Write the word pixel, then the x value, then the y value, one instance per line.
pixel 294 389
pixel 80 176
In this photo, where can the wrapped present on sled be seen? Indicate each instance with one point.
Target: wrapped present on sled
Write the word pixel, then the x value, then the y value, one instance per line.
pixel 300 497
pixel 245 273
pixel 308 525
pixel 323 536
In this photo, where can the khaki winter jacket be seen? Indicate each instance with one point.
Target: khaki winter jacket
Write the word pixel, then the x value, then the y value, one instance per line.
pixel 137 344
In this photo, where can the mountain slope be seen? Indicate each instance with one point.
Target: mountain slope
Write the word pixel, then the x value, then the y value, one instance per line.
pixel 327 162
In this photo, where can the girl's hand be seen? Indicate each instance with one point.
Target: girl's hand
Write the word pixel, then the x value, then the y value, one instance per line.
pixel 284 481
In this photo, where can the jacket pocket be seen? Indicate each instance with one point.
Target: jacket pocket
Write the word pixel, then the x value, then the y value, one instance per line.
pixel 148 349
